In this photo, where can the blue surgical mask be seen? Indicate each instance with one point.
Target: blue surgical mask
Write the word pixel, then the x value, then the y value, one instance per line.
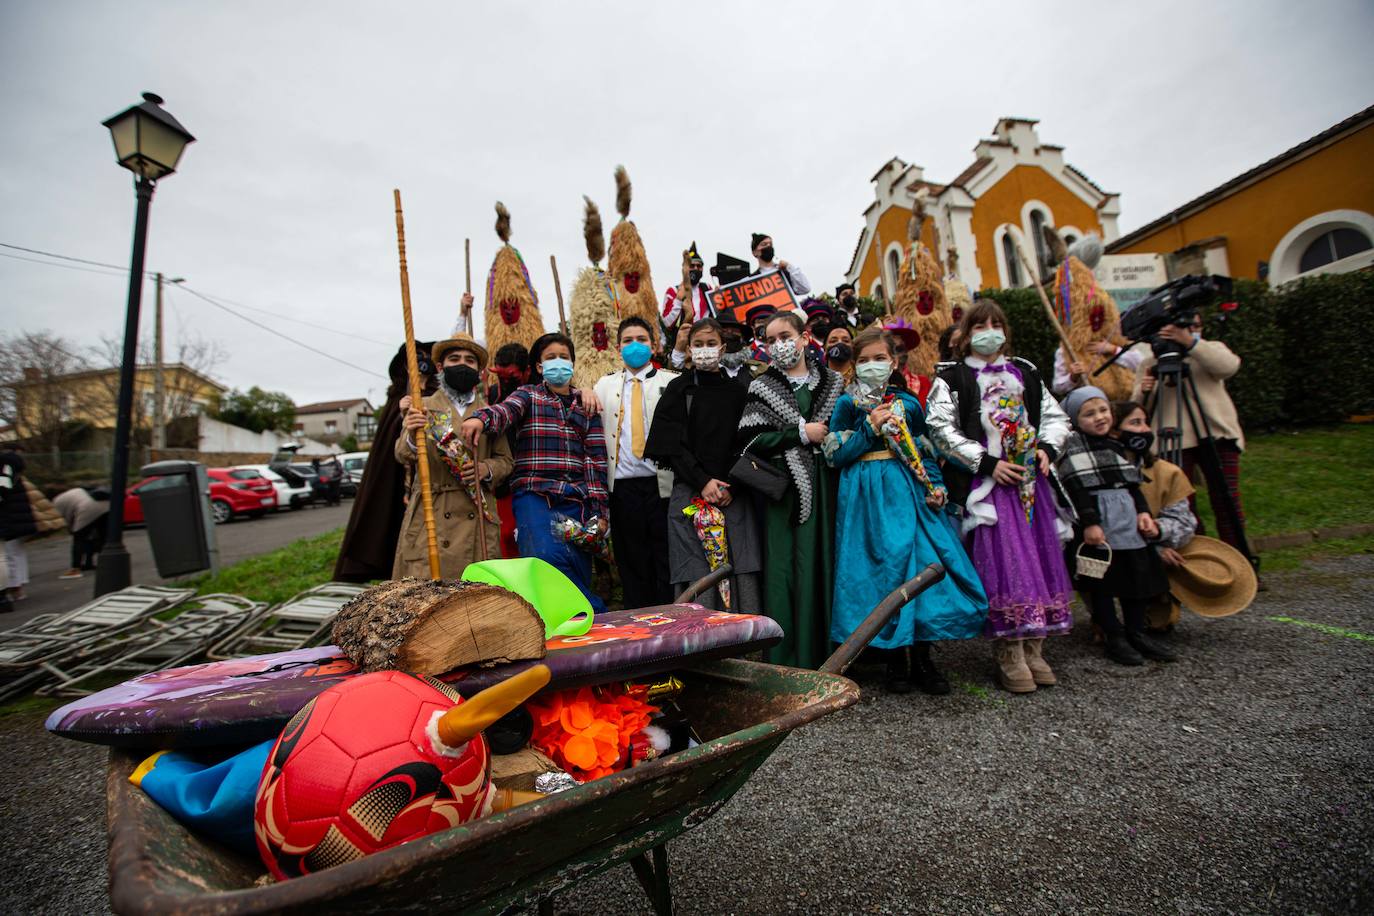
pixel 557 370
pixel 635 354
pixel 874 374
pixel 987 341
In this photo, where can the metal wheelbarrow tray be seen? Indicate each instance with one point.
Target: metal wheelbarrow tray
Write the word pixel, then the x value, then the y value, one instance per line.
pixel 522 857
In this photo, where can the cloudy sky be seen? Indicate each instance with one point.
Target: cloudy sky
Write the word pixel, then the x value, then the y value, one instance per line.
pixel 731 117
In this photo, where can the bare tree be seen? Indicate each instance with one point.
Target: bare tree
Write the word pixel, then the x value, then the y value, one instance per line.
pixel 180 395
pixel 36 396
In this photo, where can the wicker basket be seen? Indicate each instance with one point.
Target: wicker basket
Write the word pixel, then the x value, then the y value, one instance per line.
pixel 1092 567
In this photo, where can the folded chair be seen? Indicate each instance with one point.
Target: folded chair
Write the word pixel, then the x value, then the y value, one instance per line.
pixel 302 621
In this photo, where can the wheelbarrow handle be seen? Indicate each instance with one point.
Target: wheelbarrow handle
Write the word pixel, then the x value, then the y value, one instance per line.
pixel 863 634
pixel 706 582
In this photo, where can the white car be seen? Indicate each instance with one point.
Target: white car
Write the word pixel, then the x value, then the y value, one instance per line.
pixel 354 463
pixel 288 494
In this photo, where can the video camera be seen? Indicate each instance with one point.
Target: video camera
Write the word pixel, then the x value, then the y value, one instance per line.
pixel 1176 302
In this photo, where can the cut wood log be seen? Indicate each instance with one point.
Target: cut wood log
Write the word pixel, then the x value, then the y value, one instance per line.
pixel 430 627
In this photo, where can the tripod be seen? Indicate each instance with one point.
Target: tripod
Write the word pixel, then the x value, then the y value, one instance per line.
pixel 1174 395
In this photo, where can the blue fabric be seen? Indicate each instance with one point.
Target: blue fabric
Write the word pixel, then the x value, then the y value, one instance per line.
pixel 214 799
pixel 534 517
pixel 885 534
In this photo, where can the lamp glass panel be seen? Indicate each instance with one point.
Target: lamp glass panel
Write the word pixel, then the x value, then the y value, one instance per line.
pixel 124 133
pixel 160 145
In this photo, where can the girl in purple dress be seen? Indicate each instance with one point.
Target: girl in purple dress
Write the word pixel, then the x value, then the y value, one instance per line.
pixel 992 418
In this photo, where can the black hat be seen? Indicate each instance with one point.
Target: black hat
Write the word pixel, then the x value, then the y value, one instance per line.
pixel 759 311
pixel 817 308
pixel 842 287
pixel 693 255
pixel 727 321
pixel 758 237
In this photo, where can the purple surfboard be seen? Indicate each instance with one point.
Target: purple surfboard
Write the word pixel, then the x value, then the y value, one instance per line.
pixel 245 700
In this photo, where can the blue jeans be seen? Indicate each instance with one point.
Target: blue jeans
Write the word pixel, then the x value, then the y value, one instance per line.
pixel 534 517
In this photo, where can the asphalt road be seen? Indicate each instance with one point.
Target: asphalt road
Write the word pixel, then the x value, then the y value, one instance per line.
pixel 1237 780
pixel 238 540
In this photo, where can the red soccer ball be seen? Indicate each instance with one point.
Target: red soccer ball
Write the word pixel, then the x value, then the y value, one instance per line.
pixel 362 768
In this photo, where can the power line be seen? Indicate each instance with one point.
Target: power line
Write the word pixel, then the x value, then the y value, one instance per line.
pixel 66 257
pixel 89 270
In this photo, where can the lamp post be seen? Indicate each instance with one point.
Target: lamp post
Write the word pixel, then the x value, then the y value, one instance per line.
pixel 148 142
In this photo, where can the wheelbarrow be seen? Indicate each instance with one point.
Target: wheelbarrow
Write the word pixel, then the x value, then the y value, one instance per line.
pixel 525 856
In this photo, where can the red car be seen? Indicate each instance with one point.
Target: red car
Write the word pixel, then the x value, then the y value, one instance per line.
pixel 233 491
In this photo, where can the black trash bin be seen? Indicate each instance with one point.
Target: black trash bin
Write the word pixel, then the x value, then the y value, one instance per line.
pixel 176 509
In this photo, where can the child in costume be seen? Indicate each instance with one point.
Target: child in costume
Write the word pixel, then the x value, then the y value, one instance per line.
pixel 560 461
pixel 999 429
pixel 785 421
pixel 693 434
pixel 1103 483
pixel 512 304
pixel 890 522
pixel 1168 493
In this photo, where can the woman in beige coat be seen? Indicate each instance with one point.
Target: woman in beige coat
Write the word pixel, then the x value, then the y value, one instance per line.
pixel 460 361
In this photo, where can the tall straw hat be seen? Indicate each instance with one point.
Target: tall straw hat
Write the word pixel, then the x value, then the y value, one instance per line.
pixel 1216 580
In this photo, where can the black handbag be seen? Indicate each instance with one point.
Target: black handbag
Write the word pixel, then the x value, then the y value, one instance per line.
pixel 760 475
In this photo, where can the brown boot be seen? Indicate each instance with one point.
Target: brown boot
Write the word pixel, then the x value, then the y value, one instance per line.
pixel 1012 672
pixel 1040 670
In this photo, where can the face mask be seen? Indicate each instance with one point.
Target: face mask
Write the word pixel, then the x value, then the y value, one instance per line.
pixel 839 353
pixel 635 354
pixel 786 353
pixel 734 344
pixel 1138 442
pixel 875 373
pixel 988 342
pixel 694 276
pixel 461 379
pixel 733 359
pixel 707 358
pixel 558 371
pixel 1197 335
pixel 766 255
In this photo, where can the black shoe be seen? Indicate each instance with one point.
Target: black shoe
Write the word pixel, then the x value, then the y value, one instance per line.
pixel 898 672
pixel 923 671
pixel 1120 650
pixel 1151 648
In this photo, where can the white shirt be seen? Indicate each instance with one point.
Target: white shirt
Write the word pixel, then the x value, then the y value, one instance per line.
pixel 626 464
pixel 796 280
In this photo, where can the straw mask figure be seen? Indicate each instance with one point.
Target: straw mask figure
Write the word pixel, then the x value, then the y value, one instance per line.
pixel 628 265
pixel 1088 312
pixel 512 304
pixel 920 298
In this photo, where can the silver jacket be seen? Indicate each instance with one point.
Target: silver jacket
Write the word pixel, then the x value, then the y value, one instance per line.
pixel 942 416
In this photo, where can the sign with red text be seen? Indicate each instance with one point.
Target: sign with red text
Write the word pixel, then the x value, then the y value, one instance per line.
pixel 768 288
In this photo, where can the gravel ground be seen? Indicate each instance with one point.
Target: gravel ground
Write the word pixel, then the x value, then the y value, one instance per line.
pixel 1237 780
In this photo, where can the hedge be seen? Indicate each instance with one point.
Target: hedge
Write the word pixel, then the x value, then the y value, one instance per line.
pixel 1304 348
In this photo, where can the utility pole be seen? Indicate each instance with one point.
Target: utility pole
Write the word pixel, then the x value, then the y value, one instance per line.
pixel 159 393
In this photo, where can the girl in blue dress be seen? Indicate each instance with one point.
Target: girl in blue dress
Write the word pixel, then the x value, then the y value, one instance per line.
pixel 891 523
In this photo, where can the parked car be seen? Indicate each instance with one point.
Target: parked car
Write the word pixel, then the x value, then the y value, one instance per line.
pixel 354 463
pixel 233 492
pixel 291 494
pixel 318 488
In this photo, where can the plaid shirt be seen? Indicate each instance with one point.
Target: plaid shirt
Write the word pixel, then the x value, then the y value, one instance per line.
pixel 559 451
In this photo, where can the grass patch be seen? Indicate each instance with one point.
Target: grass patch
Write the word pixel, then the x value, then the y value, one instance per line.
pixel 276 576
pixel 1288 558
pixel 1300 480
pixel 30 705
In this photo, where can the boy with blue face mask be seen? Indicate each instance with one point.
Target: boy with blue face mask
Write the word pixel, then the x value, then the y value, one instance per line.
pixel 638 489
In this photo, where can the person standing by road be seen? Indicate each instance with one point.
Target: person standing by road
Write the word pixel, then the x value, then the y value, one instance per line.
pixel 85 518
pixel 16 522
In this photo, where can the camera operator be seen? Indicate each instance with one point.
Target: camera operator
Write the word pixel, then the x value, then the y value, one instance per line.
pixel 1211 363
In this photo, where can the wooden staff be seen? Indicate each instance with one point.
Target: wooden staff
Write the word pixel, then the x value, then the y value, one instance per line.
pixel 467 271
pixel 1049 309
pixel 558 290
pixel 882 271
pixel 416 396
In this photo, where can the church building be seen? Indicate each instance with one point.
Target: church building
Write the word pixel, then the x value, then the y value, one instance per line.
pixel 1014 185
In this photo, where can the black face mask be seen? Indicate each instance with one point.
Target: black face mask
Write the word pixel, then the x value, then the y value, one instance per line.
pixel 1138 442
pixel 766 255
pixel 694 276
pixel 461 379
pixel 846 302
pixel 733 344
pixel 839 353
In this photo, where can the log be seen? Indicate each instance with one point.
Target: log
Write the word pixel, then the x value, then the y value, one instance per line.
pixel 430 627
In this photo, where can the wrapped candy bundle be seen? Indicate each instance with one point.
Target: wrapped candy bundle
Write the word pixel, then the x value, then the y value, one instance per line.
pixel 709 521
pixel 456 457
pixel 903 445
pixel 593 537
pixel 1019 443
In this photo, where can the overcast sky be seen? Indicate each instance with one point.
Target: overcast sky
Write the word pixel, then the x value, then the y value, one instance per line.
pixel 730 117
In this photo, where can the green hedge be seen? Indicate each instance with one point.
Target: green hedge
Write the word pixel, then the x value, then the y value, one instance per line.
pixel 1305 348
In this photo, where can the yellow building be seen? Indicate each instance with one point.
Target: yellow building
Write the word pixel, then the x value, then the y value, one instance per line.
pixel 1307 211
pixel 43 401
pixel 1014 185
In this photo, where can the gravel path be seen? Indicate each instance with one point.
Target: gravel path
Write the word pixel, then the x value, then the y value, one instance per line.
pixel 1238 780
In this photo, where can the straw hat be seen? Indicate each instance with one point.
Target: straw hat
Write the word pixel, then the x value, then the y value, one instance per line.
pixel 1215 581
pixel 459 340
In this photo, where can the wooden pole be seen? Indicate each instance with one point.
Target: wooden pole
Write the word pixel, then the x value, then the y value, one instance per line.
pixel 416 396
pixel 558 290
pixel 882 271
pixel 1049 309
pixel 467 271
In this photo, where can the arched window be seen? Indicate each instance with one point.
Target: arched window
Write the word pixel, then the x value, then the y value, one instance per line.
pixel 894 267
pixel 1013 263
pixel 1333 246
pixel 1037 228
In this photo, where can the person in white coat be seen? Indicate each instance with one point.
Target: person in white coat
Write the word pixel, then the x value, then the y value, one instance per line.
pixel 638 489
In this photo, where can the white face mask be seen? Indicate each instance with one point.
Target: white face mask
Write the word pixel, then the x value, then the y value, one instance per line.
pixel 707 358
pixel 874 373
pixel 786 353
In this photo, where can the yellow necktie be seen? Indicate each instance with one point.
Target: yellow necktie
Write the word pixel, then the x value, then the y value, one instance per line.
pixel 637 418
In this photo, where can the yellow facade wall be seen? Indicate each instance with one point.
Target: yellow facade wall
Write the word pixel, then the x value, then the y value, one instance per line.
pixel 892 228
pixel 90 397
pixel 1002 203
pixel 1255 218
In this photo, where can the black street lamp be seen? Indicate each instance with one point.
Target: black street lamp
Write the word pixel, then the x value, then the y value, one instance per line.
pixel 148 142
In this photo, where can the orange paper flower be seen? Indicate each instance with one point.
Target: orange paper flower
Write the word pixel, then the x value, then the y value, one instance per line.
pixel 587 731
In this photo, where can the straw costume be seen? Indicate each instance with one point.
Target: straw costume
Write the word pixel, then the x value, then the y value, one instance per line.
pixel 512 304
pixel 595 308
pixel 1088 312
pixel 920 298
pixel 628 265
